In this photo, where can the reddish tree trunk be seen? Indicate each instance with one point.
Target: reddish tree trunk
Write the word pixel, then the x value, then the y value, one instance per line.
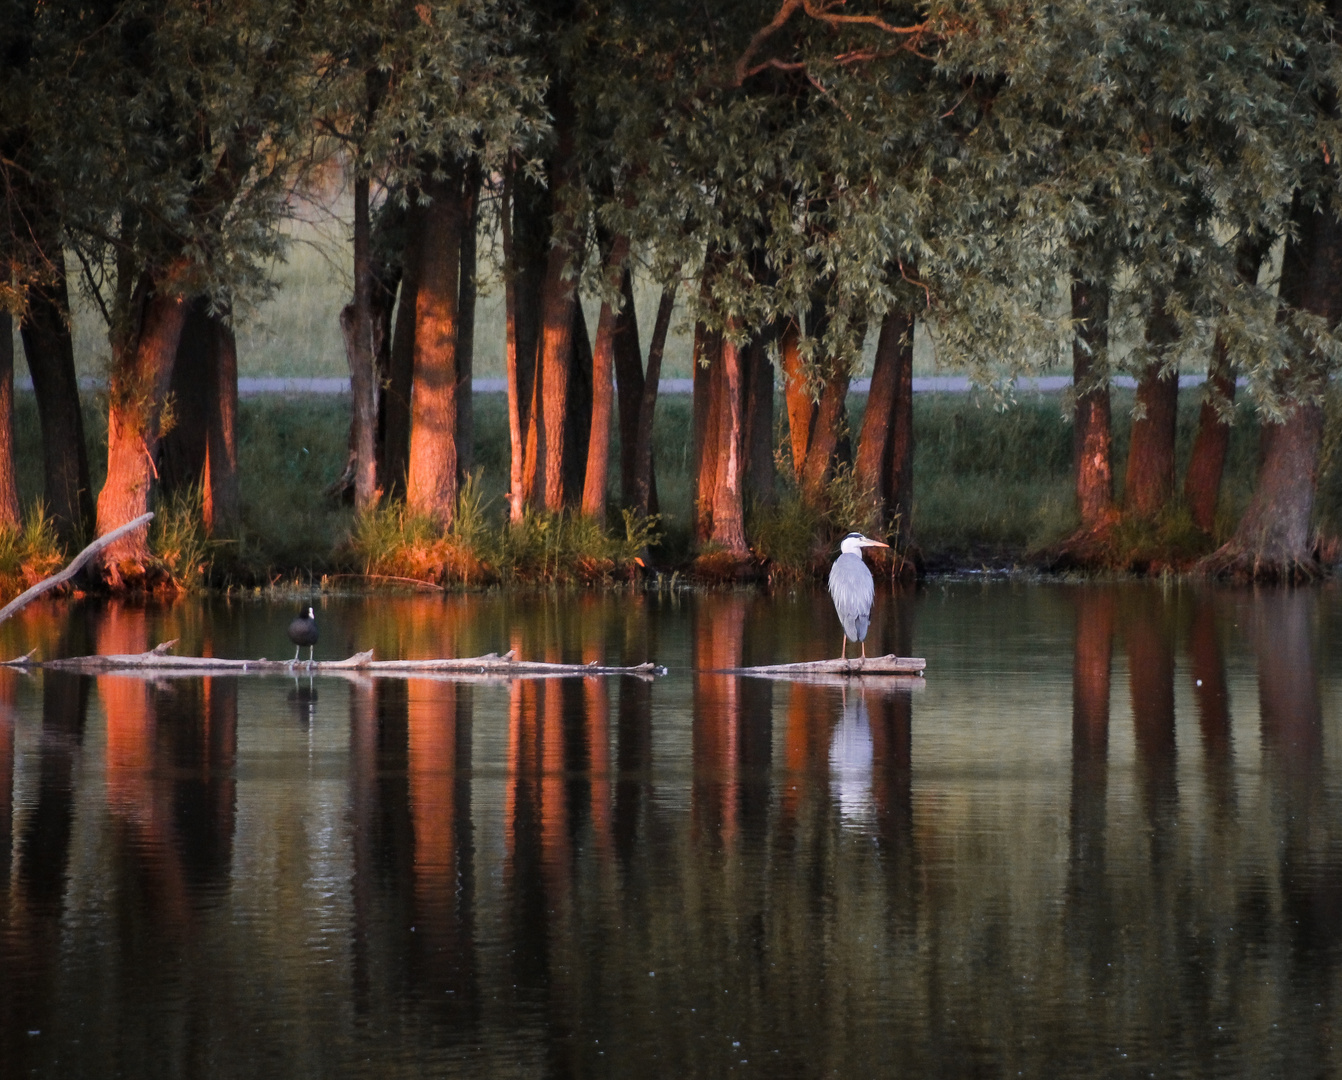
pixel 357 327
pixel 627 356
pixel 559 298
pixel 796 395
pixel 51 363
pixel 431 484
pixel 1273 538
pixel 470 205
pixel 1148 482
pixel 729 526
pixel 707 425
pixel 1092 430
pixel 644 490
pixel 603 392
pixel 1206 464
pixel 401 370
pixel 826 430
pixel 11 517
pixel 141 375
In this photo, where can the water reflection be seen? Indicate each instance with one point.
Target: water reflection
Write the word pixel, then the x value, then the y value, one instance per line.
pixel 1104 839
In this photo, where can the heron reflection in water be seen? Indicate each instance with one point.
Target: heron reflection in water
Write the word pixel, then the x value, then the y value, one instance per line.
pixel 852 589
pixel 850 761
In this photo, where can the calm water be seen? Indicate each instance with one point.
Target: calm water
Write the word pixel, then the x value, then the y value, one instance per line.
pixel 1103 839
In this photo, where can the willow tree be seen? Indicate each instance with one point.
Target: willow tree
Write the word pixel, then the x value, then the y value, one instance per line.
pixel 164 141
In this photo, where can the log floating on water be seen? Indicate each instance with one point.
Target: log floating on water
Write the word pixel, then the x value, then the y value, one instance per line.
pixel 157 660
pixel 859 666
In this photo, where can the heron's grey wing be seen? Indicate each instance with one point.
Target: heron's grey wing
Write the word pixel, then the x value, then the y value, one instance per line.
pixel 853 591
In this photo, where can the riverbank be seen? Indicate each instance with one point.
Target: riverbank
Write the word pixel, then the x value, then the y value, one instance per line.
pixel 992 487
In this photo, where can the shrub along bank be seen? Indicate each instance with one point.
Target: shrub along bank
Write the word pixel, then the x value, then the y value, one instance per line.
pixel 992 486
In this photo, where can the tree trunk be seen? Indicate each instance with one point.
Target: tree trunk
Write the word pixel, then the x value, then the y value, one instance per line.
pixel 796 395
pixel 356 324
pixel 401 370
pixel 223 509
pixel 388 270
pixel 729 528
pixel 1206 464
pixel 826 430
pixel 202 448
pixel 431 486
pixel 470 207
pixel 1092 439
pixel 603 391
pixel 758 375
pixel 51 362
pixel 526 248
pixel 11 518
pixel 627 355
pixel 141 375
pixel 1149 480
pixel 559 298
pixel 707 438
pixel 899 492
pixel 643 472
pixel 872 468
pixel 578 410
pixel 1273 538
pixel 181 451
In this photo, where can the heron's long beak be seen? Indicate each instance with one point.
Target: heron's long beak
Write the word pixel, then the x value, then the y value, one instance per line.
pixel 874 543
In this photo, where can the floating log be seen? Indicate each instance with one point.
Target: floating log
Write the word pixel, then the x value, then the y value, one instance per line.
pixel 157 661
pixel 859 666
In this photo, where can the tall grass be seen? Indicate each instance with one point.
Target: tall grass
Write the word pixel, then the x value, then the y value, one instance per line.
pixel 29 553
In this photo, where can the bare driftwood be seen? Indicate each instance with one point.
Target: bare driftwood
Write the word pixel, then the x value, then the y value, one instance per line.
pixel 870 665
pixel 157 660
pixel 25 598
pixel 877 685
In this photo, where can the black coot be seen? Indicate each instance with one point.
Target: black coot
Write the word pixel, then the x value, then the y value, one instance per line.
pixel 303 631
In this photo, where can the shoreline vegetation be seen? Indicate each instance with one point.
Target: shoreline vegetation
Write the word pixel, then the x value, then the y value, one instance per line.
pixel 994 491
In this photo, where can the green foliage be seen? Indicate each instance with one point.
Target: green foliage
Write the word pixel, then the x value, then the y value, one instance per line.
pixel 28 554
pixel 178 538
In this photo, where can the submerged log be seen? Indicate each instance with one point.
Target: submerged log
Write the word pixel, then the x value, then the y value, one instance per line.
pixel 862 665
pixel 157 660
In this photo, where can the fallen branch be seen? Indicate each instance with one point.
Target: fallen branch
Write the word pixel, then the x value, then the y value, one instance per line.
pixel 870 665
pixel 156 660
pixel 25 598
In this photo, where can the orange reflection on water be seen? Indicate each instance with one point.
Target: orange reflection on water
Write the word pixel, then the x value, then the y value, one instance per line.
pixel 719 627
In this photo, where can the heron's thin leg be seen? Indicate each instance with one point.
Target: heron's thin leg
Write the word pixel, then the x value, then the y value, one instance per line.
pixel 843 647
pixel 864 648
pixel 297 649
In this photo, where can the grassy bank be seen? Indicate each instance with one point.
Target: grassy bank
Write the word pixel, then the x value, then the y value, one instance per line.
pixel 990 486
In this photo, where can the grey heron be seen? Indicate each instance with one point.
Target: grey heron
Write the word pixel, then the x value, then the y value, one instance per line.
pixel 303 631
pixel 852 589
